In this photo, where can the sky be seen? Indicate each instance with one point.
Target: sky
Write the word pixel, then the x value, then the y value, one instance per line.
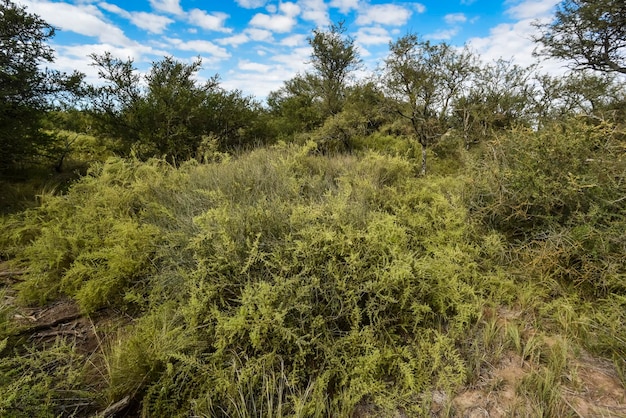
pixel 256 45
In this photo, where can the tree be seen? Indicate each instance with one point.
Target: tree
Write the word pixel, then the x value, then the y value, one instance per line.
pixel 26 90
pixel 295 107
pixel 591 33
pixel 334 57
pixel 596 95
pixel 424 79
pixel 168 112
pixel 307 100
pixel 500 96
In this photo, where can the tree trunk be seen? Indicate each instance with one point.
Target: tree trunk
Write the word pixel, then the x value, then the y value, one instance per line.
pixel 423 173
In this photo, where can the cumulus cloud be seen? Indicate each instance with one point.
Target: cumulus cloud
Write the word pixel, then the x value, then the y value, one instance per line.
pixel 296 61
pixel 167 6
pixel 211 21
pixel 443 34
pixel 200 46
pixel 260 35
pixel 345 6
pixel 293 40
pixel 372 36
pixel 315 11
pixel 454 18
pixel 514 40
pixel 419 7
pixel 86 20
pixel 251 4
pixel 234 40
pixel 150 22
pixel 246 65
pixel 384 14
pixel 280 23
pixel 532 9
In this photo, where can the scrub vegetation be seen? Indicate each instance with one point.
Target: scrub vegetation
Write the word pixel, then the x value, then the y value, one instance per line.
pixel 298 260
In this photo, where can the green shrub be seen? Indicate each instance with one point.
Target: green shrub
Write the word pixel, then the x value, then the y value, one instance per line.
pixel 279 280
pixel 44 382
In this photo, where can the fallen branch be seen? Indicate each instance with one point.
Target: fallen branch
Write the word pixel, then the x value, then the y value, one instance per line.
pixel 42 327
pixel 115 408
pixel 46 334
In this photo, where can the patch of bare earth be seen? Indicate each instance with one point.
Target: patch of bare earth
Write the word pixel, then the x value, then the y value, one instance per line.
pixel 592 387
pixel 600 394
pixel 61 319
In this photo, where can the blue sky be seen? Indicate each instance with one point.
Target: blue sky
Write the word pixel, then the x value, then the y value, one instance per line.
pixel 255 45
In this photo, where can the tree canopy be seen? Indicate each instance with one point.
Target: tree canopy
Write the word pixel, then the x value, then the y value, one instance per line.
pixel 590 33
pixel 424 79
pixel 26 90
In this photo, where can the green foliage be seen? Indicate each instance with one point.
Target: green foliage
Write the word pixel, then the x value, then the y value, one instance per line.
pixel 172 114
pixel 288 283
pixel 590 34
pixel 564 174
pixel 424 79
pixel 44 383
pixel 26 91
pixel 333 58
pixel 280 280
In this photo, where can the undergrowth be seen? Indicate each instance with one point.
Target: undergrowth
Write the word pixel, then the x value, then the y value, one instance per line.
pixel 285 283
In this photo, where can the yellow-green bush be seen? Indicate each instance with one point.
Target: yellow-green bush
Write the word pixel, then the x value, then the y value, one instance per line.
pixel 277 281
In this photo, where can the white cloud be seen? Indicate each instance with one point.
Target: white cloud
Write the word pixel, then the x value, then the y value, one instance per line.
pixel 454 18
pixel 532 9
pixel 201 46
pixel 211 21
pixel 315 11
pixel 372 36
pixel 345 6
pixel 384 14
pixel 70 58
pixel 443 34
pixel 294 40
pixel 289 9
pixel 261 79
pixel 280 23
pixel 167 6
pixel 254 66
pixel 85 20
pixel 260 35
pixel 274 23
pixel 114 9
pixel 297 60
pixel 151 22
pixel 234 40
pixel 251 4
pixel 512 41
pixel 419 7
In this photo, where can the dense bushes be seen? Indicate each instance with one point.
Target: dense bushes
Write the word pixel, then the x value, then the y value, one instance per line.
pixel 558 194
pixel 340 280
pixel 285 283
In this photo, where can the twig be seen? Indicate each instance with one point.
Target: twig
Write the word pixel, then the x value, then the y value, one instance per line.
pixel 42 327
pixel 11 273
pixel 115 408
